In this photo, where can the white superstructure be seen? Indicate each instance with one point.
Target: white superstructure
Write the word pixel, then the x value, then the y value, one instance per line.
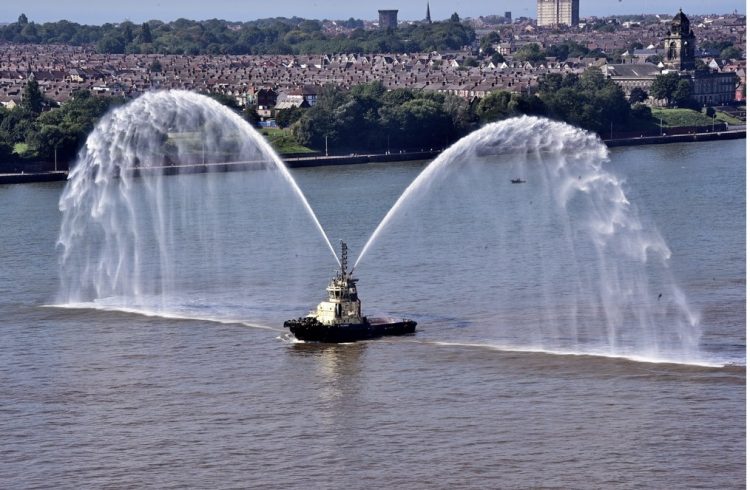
pixel 343 304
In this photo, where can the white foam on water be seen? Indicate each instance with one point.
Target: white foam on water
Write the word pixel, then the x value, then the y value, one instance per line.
pixel 708 363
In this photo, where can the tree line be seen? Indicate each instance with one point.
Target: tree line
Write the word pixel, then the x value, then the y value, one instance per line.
pixel 266 36
pixel 47 132
pixel 368 117
pixel 38 129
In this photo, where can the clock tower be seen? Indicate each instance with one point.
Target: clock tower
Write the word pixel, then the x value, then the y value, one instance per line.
pixel 679 45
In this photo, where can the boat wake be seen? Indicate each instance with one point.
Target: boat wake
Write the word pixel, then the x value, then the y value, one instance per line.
pixel 704 363
pixel 169 315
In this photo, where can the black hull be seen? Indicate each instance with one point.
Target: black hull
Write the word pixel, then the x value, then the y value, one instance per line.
pixel 311 330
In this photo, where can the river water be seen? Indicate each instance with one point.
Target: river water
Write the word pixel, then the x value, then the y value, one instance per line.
pixel 96 398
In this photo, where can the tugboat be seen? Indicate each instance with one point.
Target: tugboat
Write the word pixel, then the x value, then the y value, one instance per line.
pixel 339 318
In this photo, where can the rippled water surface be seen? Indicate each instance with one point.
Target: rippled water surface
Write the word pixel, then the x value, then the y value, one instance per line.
pixel 96 398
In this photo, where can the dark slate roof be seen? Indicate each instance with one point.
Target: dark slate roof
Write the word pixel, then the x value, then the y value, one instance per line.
pixel 633 70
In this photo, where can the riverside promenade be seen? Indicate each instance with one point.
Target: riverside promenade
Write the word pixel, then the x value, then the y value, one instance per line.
pixel 355 159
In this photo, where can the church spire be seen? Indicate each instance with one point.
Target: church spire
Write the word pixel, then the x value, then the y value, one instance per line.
pixel 428 19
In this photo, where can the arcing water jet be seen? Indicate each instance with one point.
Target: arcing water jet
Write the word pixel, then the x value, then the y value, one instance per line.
pixel 138 242
pixel 562 261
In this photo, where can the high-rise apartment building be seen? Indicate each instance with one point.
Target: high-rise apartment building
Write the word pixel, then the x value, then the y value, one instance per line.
pixel 556 12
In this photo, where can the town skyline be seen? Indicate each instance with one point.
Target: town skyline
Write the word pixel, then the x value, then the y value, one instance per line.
pixel 140 11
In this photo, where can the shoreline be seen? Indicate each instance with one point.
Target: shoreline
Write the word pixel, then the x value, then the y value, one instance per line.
pixel 355 159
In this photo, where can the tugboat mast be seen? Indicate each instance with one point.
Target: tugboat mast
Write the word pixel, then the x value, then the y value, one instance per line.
pixel 344 259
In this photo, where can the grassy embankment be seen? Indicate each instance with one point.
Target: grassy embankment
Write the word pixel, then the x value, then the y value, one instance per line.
pixel 669 118
pixel 688 117
pixel 723 116
pixel 681 117
pixel 283 141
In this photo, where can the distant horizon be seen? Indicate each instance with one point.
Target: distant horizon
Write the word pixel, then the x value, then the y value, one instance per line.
pixel 138 11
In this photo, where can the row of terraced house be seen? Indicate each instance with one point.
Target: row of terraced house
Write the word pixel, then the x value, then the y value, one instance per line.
pixel 272 82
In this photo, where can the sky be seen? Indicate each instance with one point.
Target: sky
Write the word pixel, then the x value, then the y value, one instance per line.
pixel 101 11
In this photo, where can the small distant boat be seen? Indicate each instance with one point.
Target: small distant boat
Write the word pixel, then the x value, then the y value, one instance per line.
pixel 339 319
pixel 517 181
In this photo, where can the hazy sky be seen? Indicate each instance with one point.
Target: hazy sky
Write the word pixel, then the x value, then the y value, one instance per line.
pixel 98 12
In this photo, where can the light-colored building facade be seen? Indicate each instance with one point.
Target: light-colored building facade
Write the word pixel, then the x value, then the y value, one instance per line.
pixel 557 13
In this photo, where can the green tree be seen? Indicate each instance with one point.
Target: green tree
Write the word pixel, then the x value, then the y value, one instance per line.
pixel 23 20
pixel 32 99
pixel 287 117
pixel 65 129
pixel 112 43
pixel 641 112
pixel 470 61
pixel 683 94
pixel 318 123
pixel 635 45
pixel 638 95
pixel 17 124
pixel 127 32
pixel 265 36
pixel 251 115
pixel 527 104
pixel 30 33
pixel 530 52
pixel 485 44
pixel 718 46
pixel 418 123
pixel 730 53
pixel 460 112
pixel 494 106
pixel 553 82
pixel 397 96
pixel 455 17
pixel 6 151
pixel 566 49
pixel 145 36
pixel 590 101
pixel 664 87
